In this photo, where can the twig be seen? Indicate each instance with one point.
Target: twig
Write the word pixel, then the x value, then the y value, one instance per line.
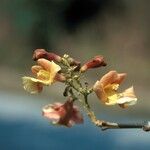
pixel 112 125
pixel 104 125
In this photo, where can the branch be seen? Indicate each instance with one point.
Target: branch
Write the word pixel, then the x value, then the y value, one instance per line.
pixel 107 125
pixel 104 125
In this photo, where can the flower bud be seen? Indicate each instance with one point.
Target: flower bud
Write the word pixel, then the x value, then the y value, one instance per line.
pixel 75 63
pixel 41 53
pixel 97 61
pixel 60 77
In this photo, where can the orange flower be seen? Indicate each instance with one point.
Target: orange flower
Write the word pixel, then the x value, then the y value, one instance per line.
pixel 106 90
pixel 63 114
pixel 45 72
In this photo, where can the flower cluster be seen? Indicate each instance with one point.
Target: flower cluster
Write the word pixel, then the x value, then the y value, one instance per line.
pixel 51 68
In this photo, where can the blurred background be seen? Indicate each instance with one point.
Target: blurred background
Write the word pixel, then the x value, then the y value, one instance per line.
pixel 117 29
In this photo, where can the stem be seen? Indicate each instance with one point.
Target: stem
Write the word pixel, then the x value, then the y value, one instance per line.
pixel 145 126
pixel 111 125
pixel 70 83
pixel 104 125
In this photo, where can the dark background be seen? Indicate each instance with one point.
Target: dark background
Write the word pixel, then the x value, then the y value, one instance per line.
pixel 117 29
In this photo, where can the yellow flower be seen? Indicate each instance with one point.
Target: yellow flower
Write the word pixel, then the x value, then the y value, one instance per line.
pixel 106 90
pixel 45 73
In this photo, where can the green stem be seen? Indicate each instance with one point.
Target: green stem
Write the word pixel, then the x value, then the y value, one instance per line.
pixel 90 113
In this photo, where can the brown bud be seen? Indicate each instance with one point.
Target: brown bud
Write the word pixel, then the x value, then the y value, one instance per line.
pixel 41 53
pixel 74 62
pixel 60 77
pixel 97 61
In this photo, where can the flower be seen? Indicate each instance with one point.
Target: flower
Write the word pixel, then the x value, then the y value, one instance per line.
pixel 97 61
pixel 63 114
pixel 106 90
pixel 41 53
pixel 45 73
pixel 127 98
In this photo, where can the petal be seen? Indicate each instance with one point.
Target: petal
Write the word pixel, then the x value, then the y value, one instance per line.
pixel 54 68
pixel 48 108
pixel 53 116
pixel 127 100
pixel 36 81
pixel 43 75
pixel 108 78
pixel 129 92
pixel 112 100
pixel 77 118
pixel 49 112
pixel 35 69
pixel 31 86
pixel 51 107
pixel 48 65
pixel 112 77
pixel 71 117
pixel 120 78
pixel 99 90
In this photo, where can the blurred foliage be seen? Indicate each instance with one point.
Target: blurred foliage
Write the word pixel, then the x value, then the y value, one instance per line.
pixel 27 25
pixel 117 29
